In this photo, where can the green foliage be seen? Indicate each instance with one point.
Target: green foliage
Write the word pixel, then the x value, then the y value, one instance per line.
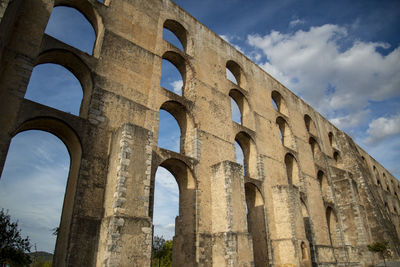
pixel 13 248
pixel 380 247
pixel 162 252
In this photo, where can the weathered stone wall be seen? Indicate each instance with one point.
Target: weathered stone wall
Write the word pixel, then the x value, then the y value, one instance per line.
pixel 313 196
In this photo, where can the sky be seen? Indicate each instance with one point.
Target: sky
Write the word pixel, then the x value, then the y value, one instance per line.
pixel 341 57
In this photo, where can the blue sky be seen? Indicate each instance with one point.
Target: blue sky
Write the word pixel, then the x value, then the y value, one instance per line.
pixel 342 57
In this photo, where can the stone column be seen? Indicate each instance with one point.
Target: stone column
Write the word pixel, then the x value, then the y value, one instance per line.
pixel 289 226
pixel 231 242
pixel 126 230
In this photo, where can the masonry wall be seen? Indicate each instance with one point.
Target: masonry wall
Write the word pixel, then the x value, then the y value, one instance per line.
pixel 314 198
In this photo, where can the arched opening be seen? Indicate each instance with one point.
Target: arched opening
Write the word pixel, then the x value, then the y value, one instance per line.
pixel 332 226
pixel 166 205
pixel 310 125
pixel 71 141
pixel 33 184
pixel 239 155
pixel 286 135
pixel 183 247
pixel 323 183
pixel 54 86
pixel 308 232
pixel 235 111
pixel 175 128
pixel 279 103
pixel 315 149
pixel 235 74
pixel 175 33
pixel 332 141
pixel 256 224
pixel 70 26
pixel 244 110
pixel 338 159
pixel 169 133
pixel 62 82
pixel 292 170
pixel 249 154
pixel 173 73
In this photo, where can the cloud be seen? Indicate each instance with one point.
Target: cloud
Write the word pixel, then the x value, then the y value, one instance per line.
pixel 296 22
pixel 230 39
pixel 177 87
pixel 382 128
pixel 334 80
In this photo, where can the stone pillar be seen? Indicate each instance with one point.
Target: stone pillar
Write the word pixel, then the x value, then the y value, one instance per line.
pixel 126 230
pixel 289 227
pixel 231 243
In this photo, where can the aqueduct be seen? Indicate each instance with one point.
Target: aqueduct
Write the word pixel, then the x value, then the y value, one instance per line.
pixel 308 194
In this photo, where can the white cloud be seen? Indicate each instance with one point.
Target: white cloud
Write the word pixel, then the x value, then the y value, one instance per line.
pixel 335 81
pixel 177 87
pixel 382 128
pixel 296 22
pixel 230 39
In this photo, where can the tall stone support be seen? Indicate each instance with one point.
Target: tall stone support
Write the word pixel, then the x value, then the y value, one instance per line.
pixel 18 51
pixel 231 243
pixel 126 230
pixel 289 235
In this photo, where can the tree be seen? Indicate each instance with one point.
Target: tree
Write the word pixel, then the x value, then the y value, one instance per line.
pixel 380 247
pixel 13 248
pixel 162 252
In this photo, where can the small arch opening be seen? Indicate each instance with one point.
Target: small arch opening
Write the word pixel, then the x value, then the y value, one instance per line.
pixel 315 149
pixel 279 103
pixel 55 86
pixel 286 134
pixel 175 33
pixel 235 74
pixel 323 183
pixel 243 106
pixel 175 128
pixel 169 132
pixel 338 159
pixel 292 170
pixel 171 78
pixel 248 147
pixel 310 125
pixel 70 26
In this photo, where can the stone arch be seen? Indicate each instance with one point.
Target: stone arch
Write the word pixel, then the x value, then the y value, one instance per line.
pixel 256 223
pixel 332 222
pixel 279 103
pixel 249 149
pixel 323 183
pixel 178 30
pixel 185 122
pixel 338 159
pixel 308 233
pixel 181 65
pixel 315 149
pixel 183 249
pixel 237 72
pixel 292 170
pixel 77 67
pixel 310 125
pixel 243 105
pixel 71 140
pixel 332 141
pixel 91 14
pixel 286 134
